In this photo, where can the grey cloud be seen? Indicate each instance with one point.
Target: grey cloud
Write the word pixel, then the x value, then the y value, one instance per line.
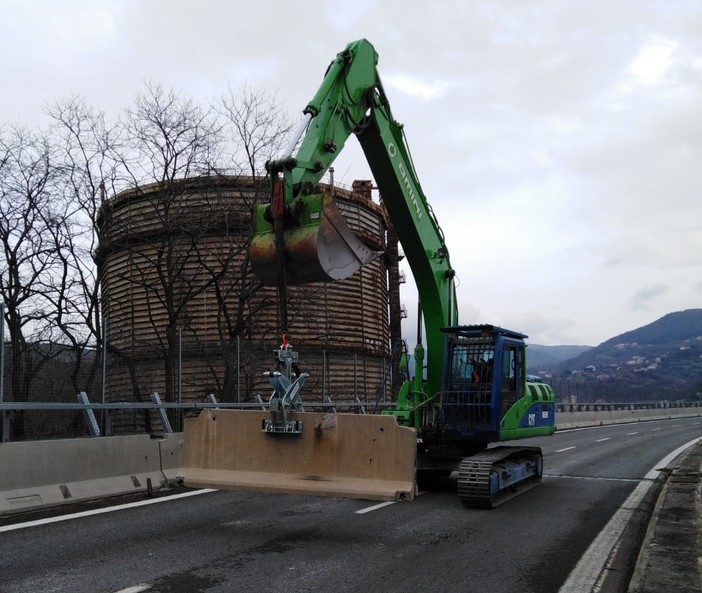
pixel 643 297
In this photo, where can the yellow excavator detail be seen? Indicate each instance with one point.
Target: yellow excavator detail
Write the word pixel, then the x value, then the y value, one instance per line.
pixel 342 455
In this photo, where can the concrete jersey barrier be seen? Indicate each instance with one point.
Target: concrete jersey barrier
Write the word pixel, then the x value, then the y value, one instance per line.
pixel 40 474
pixel 566 420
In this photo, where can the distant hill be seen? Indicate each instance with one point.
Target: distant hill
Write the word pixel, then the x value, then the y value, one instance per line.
pixel 659 361
pixel 539 356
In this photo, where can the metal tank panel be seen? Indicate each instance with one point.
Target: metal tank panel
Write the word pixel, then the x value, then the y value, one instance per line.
pixel 340 329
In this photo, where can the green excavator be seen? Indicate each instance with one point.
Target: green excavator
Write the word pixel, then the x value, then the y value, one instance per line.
pixel 469 390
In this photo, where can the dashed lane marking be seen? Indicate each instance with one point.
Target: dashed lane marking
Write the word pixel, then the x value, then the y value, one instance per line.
pixel 382 505
pixel 375 507
pixel 602 440
pixel 565 449
pixel 135 589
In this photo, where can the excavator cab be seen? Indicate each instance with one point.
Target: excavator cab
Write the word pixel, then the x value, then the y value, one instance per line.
pixel 485 395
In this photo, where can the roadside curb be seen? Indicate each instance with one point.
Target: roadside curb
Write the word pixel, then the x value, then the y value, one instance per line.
pixel 671 555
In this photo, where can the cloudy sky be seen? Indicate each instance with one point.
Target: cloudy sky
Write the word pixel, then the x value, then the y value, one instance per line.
pixel 559 142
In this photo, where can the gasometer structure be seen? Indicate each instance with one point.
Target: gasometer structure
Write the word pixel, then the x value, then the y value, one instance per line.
pixel 186 318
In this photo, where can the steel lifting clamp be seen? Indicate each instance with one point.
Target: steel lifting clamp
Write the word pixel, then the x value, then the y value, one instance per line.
pixel 285 399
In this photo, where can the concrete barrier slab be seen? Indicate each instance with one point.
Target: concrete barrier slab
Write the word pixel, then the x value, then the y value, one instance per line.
pixel 47 473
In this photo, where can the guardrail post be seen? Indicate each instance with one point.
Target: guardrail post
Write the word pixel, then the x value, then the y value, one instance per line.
pixel 93 426
pixel 156 398
pixel 327 400
pixel 360 406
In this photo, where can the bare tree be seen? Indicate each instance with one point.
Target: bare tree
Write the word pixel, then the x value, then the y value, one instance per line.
pixel 258 127
pixel 56 225
pixel 85 170
pixel 165 140
pixel 28 217
pixel 166 137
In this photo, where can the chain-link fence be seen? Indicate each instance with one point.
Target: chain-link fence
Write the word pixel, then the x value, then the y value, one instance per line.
pixel 121 388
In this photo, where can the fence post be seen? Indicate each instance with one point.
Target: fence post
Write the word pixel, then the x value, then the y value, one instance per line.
pixel 4 427
pixel 179 423
pixel 4 417
pixel 103 413
pixel 238 369
pixel 327 400
pixel 2 352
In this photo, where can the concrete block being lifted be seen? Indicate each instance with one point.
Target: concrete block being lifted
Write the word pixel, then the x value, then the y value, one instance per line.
pixel 342 455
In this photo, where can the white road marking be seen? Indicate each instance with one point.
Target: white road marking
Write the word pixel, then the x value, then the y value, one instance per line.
pixel 631 433
pixel 139 503
pixel 654 429
pixel 596 478
pixel 382 505
pixel 602 440
pixel 375 507
pixel 135 589
pixel 586 574
pixel 566 449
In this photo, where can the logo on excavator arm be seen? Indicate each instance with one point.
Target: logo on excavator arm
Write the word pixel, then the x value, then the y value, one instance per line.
pixel 392 151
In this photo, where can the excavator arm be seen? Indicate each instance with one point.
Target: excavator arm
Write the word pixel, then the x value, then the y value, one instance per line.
pixel 330 118
pixel 422 240
pixel 317 244
pixel 301 236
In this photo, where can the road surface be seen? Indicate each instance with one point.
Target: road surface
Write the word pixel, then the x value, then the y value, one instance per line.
pixel 219 541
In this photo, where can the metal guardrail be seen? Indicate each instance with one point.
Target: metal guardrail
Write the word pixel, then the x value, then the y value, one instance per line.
pixel 157 405
pixel 106 409
pixel 612 407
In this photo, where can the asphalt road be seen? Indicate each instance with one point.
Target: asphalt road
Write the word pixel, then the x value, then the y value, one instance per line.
pixel 221 541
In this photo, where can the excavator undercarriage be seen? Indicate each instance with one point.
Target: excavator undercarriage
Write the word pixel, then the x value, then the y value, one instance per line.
pixel 496 475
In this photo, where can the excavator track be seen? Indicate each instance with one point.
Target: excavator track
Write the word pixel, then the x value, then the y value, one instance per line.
pixel 492 477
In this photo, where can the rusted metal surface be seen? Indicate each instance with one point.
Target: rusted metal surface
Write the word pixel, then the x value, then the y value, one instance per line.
pixel 322 251
pixel 342 455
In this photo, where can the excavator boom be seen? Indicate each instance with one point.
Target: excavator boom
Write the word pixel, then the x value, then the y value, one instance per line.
pixel 317 244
